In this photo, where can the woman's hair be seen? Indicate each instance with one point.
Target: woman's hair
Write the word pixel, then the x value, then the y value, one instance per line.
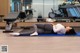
pixel 71 32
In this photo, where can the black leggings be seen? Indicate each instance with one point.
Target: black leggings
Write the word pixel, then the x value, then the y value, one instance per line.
pixel 40 28
pixel 43 28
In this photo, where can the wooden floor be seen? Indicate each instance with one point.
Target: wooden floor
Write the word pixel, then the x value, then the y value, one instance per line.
pixel 40 44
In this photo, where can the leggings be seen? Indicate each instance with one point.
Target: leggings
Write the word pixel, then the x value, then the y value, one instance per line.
pixel 43 28
pixel 40 28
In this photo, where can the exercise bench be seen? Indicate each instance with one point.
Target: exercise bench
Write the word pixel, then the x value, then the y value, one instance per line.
pixel 9 21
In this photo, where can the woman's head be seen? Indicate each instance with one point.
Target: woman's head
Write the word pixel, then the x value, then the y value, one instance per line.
pixel 70 30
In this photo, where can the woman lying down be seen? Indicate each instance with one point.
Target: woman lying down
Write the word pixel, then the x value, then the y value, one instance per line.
pixel 50 28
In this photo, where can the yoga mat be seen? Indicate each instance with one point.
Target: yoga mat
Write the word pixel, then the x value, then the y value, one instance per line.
pixel 27 32
pixel 51 34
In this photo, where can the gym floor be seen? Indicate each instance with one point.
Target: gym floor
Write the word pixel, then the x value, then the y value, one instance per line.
pixel 52 44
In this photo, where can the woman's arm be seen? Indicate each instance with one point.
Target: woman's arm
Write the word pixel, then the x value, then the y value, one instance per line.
pixel 58 27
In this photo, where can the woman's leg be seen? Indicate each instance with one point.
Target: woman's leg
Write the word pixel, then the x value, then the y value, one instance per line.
pixel 38 28
pixel 43 28
pixel 48 28
pixel 35 30
pixel 24 33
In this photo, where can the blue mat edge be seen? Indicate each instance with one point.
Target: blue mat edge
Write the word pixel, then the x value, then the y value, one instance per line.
pixel 77 34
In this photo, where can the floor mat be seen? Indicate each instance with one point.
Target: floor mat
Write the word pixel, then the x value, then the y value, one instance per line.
pixel 27 32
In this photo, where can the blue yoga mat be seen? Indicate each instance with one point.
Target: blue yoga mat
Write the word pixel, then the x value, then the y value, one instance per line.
pixel 77 34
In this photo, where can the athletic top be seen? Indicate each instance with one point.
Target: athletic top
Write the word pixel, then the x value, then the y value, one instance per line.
pixel 59 29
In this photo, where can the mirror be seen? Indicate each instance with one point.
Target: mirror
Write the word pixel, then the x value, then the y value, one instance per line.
pixel 44 8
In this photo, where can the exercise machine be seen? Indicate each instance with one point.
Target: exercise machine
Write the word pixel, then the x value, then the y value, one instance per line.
pixel 29 13
pixel 22 16
pixel 10 19
pixel 70 11
pixel 40 18
pixel 53 14
pixel 59 17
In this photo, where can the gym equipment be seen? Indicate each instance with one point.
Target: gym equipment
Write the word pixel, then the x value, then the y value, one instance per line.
pixel 58 17
pixel 78 34
pixel 22 16
pixel 29 13
pixel 70 11
pixel 53 14
pixel 40 19
pixel 9 21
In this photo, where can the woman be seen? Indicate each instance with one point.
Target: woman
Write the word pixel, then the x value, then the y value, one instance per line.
pixel 50 28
